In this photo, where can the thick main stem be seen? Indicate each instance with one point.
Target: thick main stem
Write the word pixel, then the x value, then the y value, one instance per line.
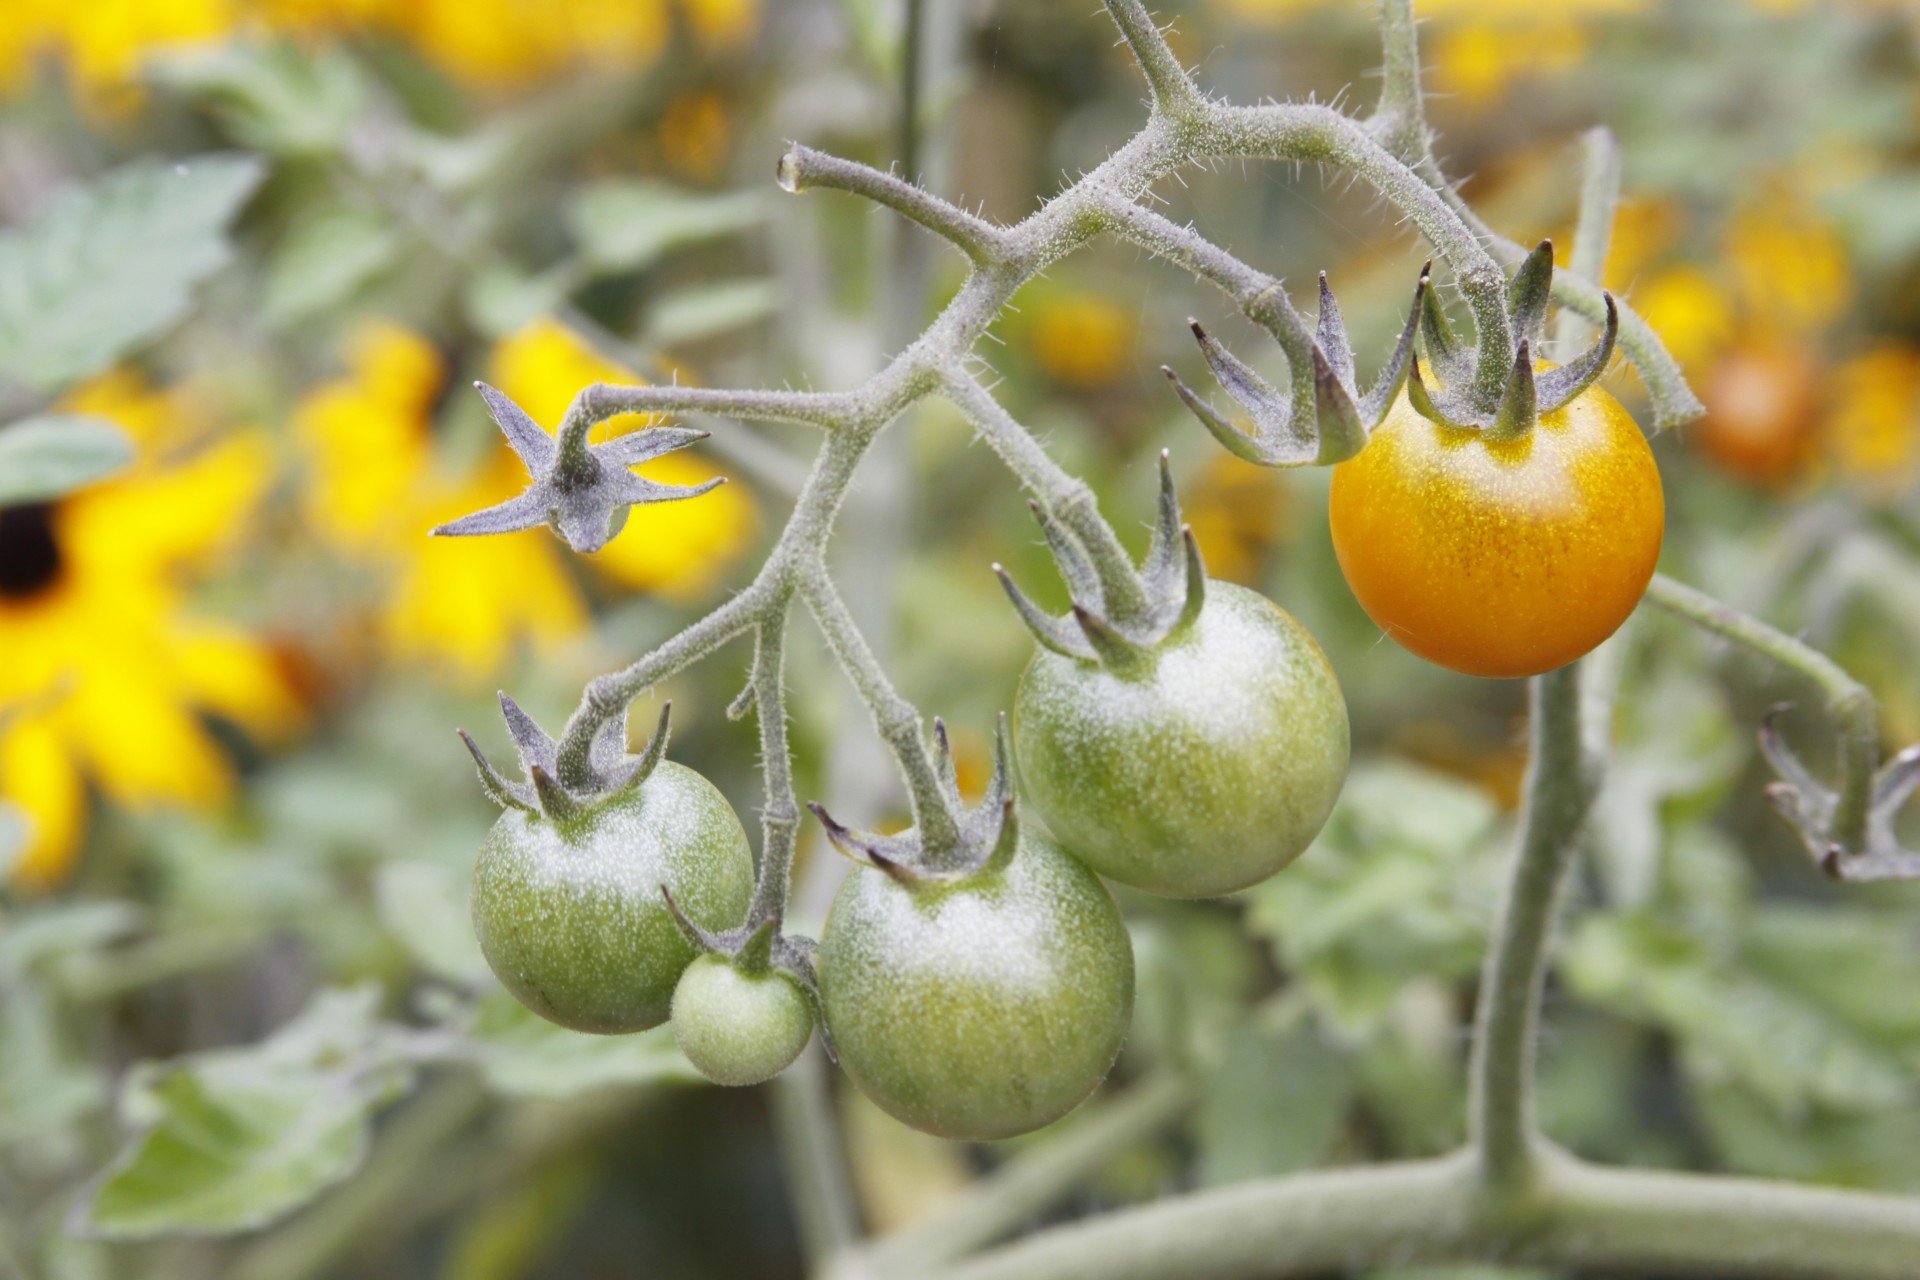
pixel 1436 1213
pixel 1507 1019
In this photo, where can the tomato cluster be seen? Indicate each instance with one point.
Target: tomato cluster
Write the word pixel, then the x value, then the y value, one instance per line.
pixel 1175 734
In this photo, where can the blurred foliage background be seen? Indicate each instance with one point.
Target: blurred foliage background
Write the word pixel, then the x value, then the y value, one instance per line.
pixel 244 1030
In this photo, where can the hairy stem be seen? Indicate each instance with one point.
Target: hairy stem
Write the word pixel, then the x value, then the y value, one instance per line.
pixel 1599 201
pixel 1029 1183
pixel 1847 700
pixel 780 812
pixel 1507 1018
pixel 1437 1213
pixel 895 718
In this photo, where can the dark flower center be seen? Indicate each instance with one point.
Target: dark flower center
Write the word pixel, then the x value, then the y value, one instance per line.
pixel 29 555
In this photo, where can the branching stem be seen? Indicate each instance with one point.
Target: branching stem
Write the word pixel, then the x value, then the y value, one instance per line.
pixel 1847 700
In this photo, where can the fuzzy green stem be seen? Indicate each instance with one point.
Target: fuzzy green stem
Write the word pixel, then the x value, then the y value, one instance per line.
pixel 1028 1184
pixel 1064 497
pixel 1507 1017
pixel 1593 230
pixel 780 812
pixel 896 719
pixel 1439 1213
pixel 1848 702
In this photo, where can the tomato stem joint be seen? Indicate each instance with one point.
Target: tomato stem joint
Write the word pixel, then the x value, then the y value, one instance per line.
pixel 1173 584
pixel 986 834
pixel 1298 427
pixel 582 490
pixel 1811 808
pixel 1528 391
pixel 610 770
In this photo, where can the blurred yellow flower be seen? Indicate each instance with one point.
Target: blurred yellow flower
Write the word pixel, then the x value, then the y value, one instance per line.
pixel 100 657
pixel 104 44
pixel 696 135
pixel 1081 339
pixel 1238 514
pixel 1873 435
pixel 1789 264
pixel 675 548
pixel 1479 60
pixel 509 42
pixel 1690 311
pixel 375 488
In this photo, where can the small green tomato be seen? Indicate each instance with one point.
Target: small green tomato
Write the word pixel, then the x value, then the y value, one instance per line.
pixel 570 915
pixel 739 1028
pixel 982 1006
pixel 1201 768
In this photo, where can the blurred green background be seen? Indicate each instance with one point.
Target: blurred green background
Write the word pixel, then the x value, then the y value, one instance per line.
pixel 230 672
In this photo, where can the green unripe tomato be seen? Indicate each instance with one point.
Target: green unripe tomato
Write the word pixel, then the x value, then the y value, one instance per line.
pixel 984 1007
pixel 570 915
pixel 739 1028
pixel 1203 771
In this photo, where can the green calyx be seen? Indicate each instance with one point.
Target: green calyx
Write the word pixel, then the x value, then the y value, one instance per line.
pixel 1324 418
pixel 1173 584
pixel 986 835
pixel 1527 392
pixel 565 799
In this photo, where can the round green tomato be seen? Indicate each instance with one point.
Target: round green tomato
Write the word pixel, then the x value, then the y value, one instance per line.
pixel 739 1028
pixel 1206 770
pixel 984 1007
pixel 570 915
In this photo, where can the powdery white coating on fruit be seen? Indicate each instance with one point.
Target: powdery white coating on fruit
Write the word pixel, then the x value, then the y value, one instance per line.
pixel 1202 777
pixel 737 1028
pixel 981 1009
pixel 573 922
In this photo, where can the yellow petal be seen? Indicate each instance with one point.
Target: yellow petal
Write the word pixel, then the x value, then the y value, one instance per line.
pixel 223 669
pixel 37 776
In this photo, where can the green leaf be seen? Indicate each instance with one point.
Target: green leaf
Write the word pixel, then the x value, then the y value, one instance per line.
pixel 709 310
pixel 625 225
pixel 47 456
pixel 228 1158
pixel 277 97
pixel 1277 1103
pixel 1399 888
pixel 424 905
pixel 106 267
pixel 324 260
pixel 522 1053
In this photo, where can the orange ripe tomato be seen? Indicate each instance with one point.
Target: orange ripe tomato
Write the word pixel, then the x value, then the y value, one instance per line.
pixel 1762 400
pixel 1501 557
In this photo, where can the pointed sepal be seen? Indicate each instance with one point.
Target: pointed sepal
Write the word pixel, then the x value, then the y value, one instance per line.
pixel 1528 293
pixel 583 491
pixel 1519 406
pixel 985 835
pixel 1557 386
pixel 1809 806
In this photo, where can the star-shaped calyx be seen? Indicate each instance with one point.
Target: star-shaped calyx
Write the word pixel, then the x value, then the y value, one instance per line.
pixel 1527 393
pixel 1173 583
pixel 1291 428
pixel 609 769
pixel 986 834
pixel 1809 807
pixel 582 490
